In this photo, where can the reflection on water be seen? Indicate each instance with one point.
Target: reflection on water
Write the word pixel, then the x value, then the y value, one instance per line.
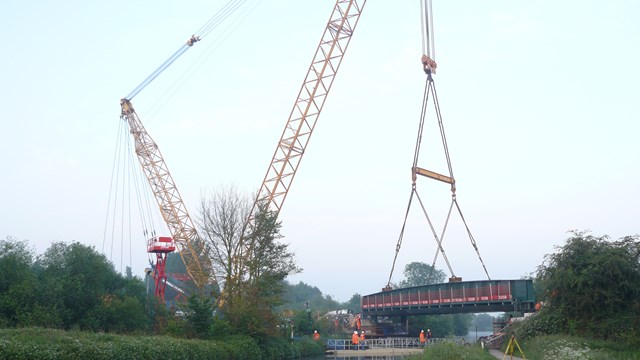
pixel 470 338
pixel 362 357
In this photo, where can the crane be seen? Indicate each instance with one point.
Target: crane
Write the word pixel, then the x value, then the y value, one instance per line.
pixel 190 246
pixel 184 236
pixel 305 112
pixel 285 161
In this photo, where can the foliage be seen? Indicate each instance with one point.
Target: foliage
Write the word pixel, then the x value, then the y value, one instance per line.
pixel 440 325
pixel 70 286
pixel 252 265
pixel 303 323
pixel 543 323
pixel 355 303
pixel 220 328
pixel 300 297
pixel 307 347
pixel 35 343
pixel 199 317
pixel 17 283
pixel 462 324
pixel 419 273
pixel 484 322
pixel 593 285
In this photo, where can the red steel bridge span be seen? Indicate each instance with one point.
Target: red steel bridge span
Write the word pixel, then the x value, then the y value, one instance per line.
pixel 453 298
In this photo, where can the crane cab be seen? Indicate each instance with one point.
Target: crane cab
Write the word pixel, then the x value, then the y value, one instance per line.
pixel 161 244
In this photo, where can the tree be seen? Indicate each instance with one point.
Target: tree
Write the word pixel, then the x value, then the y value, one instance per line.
pixel 75 279
pixel 355 303
pixel 253 265
pixel 484 322
pixel 461 324
pixel 221 221
pixel 419 273
pixel 18 282
pixel 80 288
pixel 303 323
pixel 269 257
pixel 200 316
pixel 299 296
pixel 593 284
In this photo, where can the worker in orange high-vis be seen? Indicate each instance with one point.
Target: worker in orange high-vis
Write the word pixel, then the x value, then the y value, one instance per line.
pixel 316 335
pixel 355 339
pixel 423 338
pixel 362 338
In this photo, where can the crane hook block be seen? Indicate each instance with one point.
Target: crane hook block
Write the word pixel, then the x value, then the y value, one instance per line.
pixel 429 65
pixel 192 40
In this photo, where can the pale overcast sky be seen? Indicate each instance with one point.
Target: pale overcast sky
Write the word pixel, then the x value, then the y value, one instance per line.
pixel 539 103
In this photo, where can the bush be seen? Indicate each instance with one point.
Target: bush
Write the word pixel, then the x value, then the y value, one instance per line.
pixel 34 343
pixel 546 322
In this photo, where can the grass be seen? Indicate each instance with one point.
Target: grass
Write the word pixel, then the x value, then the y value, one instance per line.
pixel 555 347
pixel 563 347
pixel 451 351
pixel 43 344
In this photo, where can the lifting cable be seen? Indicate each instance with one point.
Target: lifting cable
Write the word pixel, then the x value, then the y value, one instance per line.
pixel 125 187
pixel 429 89
pixel 211 24
pixel 212 46
pixel 429 64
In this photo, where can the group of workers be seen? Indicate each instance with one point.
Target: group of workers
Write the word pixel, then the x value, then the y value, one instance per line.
pixel 425 337
pixel 357 340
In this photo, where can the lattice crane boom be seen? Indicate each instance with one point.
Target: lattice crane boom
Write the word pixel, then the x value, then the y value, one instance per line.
pixel 308 105
pixel 190 246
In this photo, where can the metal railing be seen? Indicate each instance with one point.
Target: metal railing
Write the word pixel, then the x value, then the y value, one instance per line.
pixel 385 343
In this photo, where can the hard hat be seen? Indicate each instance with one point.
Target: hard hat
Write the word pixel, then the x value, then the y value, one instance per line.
pixel 315 331
pixel 428 329
pixel 363 331
pixel 355 332
pixel 421 330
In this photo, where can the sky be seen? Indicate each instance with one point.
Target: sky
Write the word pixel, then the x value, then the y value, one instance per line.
pixel 538 100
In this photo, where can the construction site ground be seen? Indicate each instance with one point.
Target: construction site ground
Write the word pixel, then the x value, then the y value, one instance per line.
pixel 499 355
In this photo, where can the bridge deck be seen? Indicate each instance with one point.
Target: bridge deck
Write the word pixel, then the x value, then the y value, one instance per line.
pixel 453 298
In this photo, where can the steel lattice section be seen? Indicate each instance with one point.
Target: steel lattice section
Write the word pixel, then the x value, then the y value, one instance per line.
pixel 190 247
pixel 309 103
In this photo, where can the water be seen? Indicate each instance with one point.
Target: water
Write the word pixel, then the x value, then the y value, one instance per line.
pixel 361 357
pixel 472 337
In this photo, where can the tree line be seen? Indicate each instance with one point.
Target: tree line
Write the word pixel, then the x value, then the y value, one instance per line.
pixel 70 286
pixel 590 285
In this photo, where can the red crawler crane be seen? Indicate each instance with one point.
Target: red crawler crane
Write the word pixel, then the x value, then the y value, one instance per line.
pixel 161 246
